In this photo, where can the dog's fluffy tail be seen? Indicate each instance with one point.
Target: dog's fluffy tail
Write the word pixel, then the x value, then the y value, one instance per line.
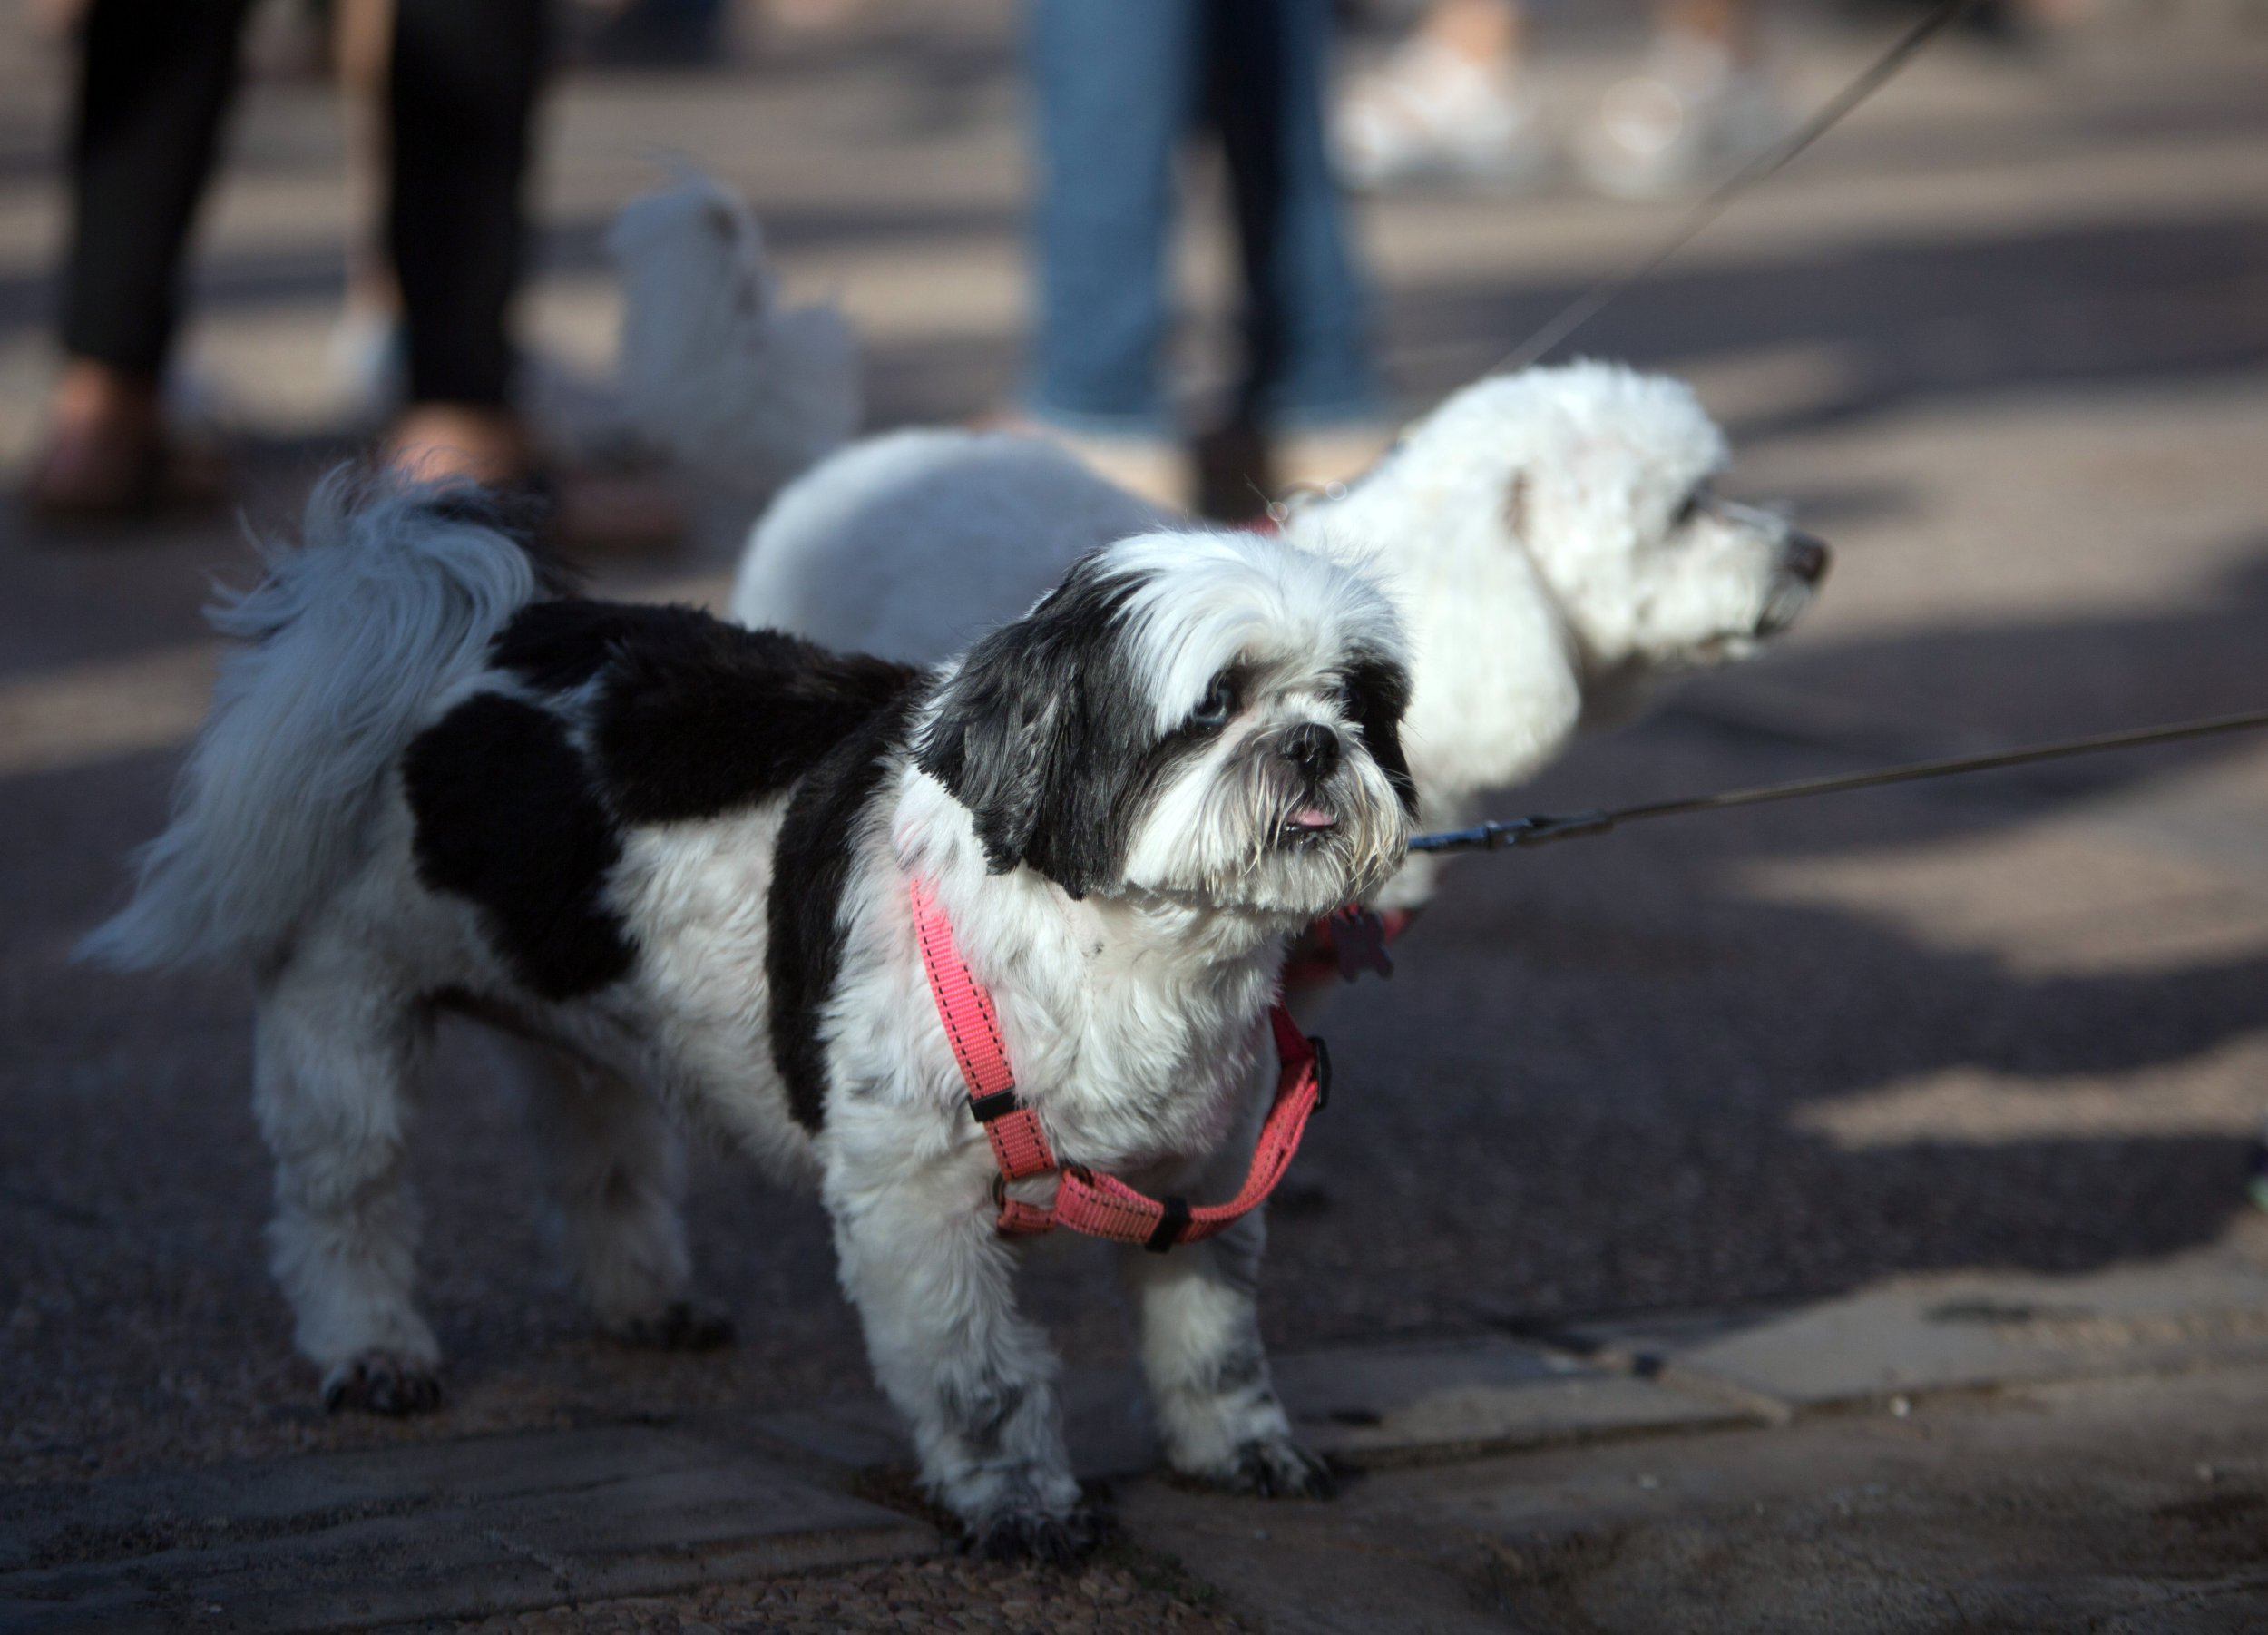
pixel 713 368
pixel 338 653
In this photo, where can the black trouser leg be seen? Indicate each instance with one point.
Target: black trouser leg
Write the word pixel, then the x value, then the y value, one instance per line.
pixel 1243 93
pixel 461 101
pixel 154 86
pixel 1306 335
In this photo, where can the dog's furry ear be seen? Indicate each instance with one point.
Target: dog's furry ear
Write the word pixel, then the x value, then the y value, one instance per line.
pixel 1025 736
pixel 1379 692
pixel 991 742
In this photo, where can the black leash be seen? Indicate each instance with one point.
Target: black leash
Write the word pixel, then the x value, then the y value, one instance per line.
pixel 1586 307
pixel 1545 828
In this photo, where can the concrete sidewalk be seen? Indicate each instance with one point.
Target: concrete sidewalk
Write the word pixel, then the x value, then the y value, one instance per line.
pixel 1965 1450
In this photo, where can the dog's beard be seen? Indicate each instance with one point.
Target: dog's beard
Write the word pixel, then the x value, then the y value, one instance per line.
pixel 1255 833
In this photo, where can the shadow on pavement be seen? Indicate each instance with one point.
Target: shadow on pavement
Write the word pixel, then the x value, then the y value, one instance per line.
pixel 1958 318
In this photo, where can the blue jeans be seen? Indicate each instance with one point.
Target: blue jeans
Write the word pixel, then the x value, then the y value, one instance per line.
pixel 1118 86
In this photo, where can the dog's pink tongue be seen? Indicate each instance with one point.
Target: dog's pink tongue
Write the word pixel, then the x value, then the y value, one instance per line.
pixel 1313 817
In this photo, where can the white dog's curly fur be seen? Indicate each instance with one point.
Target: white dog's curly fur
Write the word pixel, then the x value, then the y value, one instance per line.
pixel 1549 537
pixel 678 855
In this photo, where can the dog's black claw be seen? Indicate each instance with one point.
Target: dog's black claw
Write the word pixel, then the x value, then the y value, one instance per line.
pixel 1023 1535
pixel 680 1325
pixel 380 1383
pixel 1281 1470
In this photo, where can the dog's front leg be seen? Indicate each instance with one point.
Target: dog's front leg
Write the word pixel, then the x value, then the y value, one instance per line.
pixel 1208 1372
pixel 934 1284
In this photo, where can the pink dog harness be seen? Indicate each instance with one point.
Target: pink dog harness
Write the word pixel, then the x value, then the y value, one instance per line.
pixel 1099 1205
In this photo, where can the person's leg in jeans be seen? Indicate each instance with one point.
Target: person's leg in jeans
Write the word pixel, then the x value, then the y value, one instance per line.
pixel 156 78
pixel 1307 412
pixel 1306 319
pixel 1115 85
pixel 461 97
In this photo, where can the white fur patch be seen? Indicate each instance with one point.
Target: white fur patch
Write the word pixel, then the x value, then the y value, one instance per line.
pixel 711 365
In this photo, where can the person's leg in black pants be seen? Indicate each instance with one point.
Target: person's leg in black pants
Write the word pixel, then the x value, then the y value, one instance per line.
pixel 460 101
pixel 155 83
pixel 158 75
pixel 461 104
pixel 1305 324
pixel 1307 407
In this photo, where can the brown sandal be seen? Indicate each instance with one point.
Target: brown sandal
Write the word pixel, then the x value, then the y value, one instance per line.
pixel 121 471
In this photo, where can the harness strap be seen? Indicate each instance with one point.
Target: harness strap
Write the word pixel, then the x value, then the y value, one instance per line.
pixel 1099 1205
pixel 1019 1145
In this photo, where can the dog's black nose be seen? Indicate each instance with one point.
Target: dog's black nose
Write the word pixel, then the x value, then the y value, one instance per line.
pixel 1806 558
pixel 1313 748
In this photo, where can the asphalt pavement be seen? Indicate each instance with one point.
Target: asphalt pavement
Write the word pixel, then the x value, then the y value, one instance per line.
pixel 2002 339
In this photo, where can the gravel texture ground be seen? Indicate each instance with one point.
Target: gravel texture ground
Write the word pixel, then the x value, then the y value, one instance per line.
pixel 1122 1592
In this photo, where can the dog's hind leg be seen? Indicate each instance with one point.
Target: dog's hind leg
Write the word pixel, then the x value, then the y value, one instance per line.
pixel 615 1172
pixel 335 1042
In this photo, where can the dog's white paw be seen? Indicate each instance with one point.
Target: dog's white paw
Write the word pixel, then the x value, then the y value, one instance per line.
pixel 381 1381
pixel 1270 1467
pixel 680 1325
pixel 1024 1534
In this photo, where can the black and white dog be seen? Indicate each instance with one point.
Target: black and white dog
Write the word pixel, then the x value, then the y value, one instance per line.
pixel 676 855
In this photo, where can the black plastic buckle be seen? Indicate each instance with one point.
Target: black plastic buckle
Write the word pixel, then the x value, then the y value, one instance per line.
pixel 999 1105
pixel 1170 1226
pixel 1322 1071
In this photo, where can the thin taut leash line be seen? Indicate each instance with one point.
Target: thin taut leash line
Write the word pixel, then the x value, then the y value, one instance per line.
pixel 1544 828
pixel 1586 307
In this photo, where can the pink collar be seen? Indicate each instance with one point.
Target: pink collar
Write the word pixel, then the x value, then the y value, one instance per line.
pixel 1101 1206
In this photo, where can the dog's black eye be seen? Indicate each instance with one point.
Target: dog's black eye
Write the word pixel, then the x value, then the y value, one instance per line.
pixel 1220 702
pixel 1689 511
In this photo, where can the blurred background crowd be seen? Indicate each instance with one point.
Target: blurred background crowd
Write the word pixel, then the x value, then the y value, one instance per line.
pixel 1132 117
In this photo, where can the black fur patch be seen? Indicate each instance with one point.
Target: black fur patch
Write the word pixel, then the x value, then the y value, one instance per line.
pixel 1378 690
pixel 693 716
pixel 507 820
pixel 811 868
pixel 1043 735
pixel 522 516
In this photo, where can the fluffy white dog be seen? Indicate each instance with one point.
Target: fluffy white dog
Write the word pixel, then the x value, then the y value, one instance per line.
pixel 683 857
pixel 712 367
pixel 1551 538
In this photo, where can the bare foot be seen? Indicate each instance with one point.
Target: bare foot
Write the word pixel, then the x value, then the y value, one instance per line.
pixel 590 514
pixel 441 442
